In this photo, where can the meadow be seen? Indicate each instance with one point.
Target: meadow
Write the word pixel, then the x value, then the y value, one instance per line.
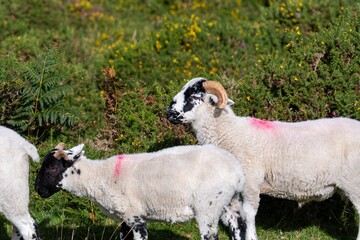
pixel 103 73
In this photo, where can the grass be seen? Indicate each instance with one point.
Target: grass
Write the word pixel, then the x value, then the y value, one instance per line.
pixel 115 66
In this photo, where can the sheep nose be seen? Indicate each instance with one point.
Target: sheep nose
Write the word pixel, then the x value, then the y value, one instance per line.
pixel 173 116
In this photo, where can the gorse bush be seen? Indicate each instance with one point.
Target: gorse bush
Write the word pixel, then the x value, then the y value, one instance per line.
pixel 317 74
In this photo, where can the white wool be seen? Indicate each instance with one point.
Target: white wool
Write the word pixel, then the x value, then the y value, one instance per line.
pixel 14 182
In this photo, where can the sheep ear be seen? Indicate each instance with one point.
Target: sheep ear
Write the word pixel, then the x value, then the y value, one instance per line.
pixel 76 152
pixel 61 154
pixel 230 102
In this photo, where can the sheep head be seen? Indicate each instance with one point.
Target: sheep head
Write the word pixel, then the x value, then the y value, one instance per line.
pixel 55 163
pixel 192 95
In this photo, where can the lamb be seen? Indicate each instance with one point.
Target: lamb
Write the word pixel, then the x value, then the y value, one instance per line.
pixel 174 185
pixel 14 182
pixel 301 161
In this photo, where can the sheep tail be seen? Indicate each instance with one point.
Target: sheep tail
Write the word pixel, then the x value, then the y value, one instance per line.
pixel 31 151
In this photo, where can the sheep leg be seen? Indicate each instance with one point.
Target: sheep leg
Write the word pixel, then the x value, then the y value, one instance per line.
pixel 251 197
pixel 126 232
pixel 208 227
pixel 138 224
pixel 350 190
pixel 24 228
pixel 232 218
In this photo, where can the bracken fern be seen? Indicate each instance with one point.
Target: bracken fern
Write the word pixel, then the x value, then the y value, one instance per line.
pixel 42 91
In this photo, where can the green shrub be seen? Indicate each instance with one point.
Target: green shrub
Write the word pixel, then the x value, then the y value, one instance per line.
pixel 33 94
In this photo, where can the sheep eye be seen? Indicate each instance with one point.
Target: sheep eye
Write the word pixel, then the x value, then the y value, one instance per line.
pixel 195 97
pixel 52 170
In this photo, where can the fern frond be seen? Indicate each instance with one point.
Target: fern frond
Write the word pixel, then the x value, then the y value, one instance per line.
pixel 42 94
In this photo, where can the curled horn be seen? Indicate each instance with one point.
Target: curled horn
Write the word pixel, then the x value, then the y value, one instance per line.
pixel 218 90
pixel 61 154
pixel 60 146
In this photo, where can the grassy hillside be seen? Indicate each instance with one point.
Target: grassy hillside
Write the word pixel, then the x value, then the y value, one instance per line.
pixel 104 72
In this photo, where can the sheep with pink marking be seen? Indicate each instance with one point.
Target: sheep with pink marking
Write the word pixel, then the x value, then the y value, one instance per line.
pixel 175 185
pixel 301 161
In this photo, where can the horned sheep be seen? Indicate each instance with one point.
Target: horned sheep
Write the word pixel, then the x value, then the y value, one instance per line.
pixel 174 185
pixel 14 183
pixel 302 161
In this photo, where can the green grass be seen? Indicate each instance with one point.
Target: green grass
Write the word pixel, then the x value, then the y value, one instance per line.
pixel 103 73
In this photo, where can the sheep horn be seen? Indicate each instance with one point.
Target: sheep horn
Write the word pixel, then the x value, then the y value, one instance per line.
pixel 60 146
pixel 61 154
pixel 218 90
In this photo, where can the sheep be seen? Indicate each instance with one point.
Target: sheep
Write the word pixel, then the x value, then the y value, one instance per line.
pixel 14 183
pixel 174 185
pixel 302 161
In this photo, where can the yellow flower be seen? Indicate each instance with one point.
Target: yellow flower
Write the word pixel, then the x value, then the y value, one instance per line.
pixel 248 98
pixel 104 36
pixel 196 59
pixel 213 70
pixel 158 45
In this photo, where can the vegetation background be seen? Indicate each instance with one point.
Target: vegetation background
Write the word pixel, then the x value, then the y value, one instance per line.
pixel 103 73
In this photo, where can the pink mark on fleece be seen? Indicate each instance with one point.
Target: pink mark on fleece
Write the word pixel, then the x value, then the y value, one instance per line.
pixel 118 164
pixel 258 123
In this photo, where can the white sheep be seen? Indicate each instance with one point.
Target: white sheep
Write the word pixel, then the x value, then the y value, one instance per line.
pixel 302 161
pixel 174 185
pixel 14 182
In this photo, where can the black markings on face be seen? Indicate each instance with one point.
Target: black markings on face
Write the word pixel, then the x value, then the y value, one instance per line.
pixel 50 175
pixel 193 95
pixel 190 96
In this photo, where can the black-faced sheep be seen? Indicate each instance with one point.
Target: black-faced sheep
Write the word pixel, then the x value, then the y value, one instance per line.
pixel 14 182
pixel 174 185
pixel 302 161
